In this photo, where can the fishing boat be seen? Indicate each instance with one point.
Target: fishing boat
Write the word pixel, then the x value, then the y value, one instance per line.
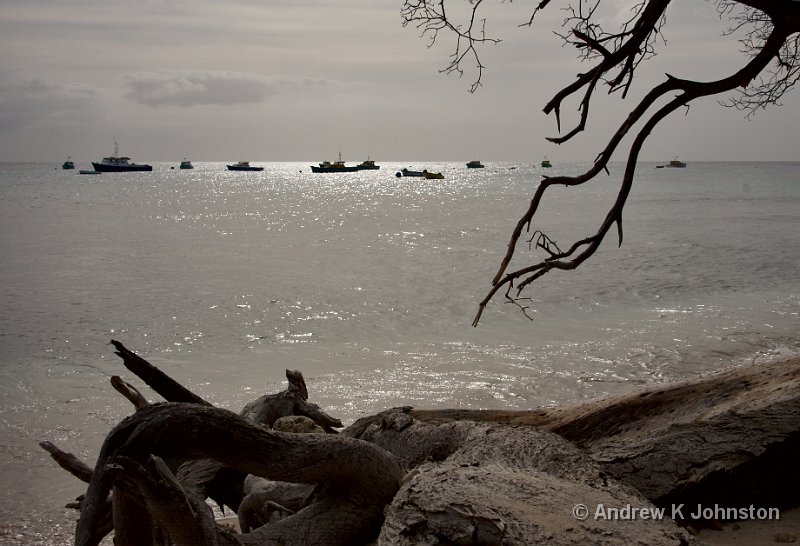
pixel 368 165
pixel 186 164
pixel 546 163
pixel 117 163
pixel 475 164
pixel 432 176
pixel 68 164
pixel 243 166
pixel 334 167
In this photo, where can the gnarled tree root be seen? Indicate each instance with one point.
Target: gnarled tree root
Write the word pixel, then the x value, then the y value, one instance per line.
pixel 355 479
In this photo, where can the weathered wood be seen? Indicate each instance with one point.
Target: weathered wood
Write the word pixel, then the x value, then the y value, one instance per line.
pixel 68 461
pixel 356 479
pixel 270 501
pixel 133 524
pixel 130 392
pixel 160 382
pixel 486 483
pixel 667 441
pixel 223 484
pixel 486 476
pixel 315 413
pixel 183 519
pixel 207 478
pixel 293 400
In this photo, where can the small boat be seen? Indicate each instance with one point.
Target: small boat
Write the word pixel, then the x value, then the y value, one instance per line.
pixel 118 164
pixel 676 163
pixel 186 164
pixel 432 176
pixel 475 165
pixel 406 172
pixel 243 166
pixel 68 164
pixel 368 165
pixel 334 167
pixel 546 163
pixel 89 172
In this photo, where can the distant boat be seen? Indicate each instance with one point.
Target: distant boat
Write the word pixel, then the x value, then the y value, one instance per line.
pixel 334 167
pixel 475 165
pixel 117 163
pixel 676 163
pixel 186 164
pixel 243 166
pixel 432 176
pixel 89 172
pixel 368 165
pixel 68 164
pixel 406 172
pixel 546 163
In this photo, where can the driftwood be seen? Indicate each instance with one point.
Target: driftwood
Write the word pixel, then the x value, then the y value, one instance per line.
pixel 683 442
pixel 408 476
pixel 488 483
pixel 356 479
pixel 138 495
pixel 68 462
pixel 130 392
pixel 224 484
pixel 159 381
pixel 293 401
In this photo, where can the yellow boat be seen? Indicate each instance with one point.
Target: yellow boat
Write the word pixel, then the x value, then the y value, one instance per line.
pixel 434 176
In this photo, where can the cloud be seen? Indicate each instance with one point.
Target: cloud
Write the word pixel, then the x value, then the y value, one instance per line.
pixel 186 88
pixel 27 101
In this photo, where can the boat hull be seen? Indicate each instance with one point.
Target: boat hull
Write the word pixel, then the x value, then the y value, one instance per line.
pixel 239 168
pixel 334 169
pixel 101 168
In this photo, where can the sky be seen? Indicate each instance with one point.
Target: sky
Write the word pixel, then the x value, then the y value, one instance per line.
pixel 302 80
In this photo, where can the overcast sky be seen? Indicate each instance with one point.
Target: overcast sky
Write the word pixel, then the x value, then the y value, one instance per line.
pixel 303 79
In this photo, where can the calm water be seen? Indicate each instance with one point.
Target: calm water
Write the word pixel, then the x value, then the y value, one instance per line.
pixel 367 284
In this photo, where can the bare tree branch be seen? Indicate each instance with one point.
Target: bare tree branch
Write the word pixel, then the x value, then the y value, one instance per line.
pixel 771 40
pixel 572 258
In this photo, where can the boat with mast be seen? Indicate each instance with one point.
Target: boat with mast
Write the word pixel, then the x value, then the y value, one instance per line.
pixel 368 165
pixel 334 167
pixel 117 163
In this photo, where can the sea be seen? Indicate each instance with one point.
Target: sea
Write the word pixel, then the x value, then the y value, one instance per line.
pixel 368 284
